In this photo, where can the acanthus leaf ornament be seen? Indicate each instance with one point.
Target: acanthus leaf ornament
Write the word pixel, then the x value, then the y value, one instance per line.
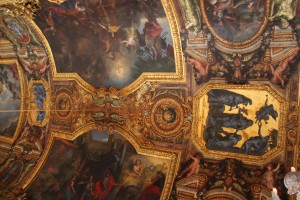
pixel 25 8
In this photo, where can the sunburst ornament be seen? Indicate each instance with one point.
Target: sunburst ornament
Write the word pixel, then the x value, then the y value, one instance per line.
pixel 57 1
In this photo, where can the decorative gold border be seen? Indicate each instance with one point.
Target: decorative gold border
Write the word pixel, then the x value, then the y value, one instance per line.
pixel 61 93
pixel 296 159
pixel 46 102
pixel 178 122
pixel 40 162
pixel 5 42
pixel 285 55
pixel 23 101
pixel 220 193
pixel 260 192
pixel 172 155
pixel 250 159
pixel 179 76
pixel 76 132
pixel 242 44
pixel 4 2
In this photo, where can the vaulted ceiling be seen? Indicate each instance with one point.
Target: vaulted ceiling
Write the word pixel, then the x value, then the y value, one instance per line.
pixel 148 99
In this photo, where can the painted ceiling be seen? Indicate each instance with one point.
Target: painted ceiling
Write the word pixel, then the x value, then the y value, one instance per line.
pixel 148 99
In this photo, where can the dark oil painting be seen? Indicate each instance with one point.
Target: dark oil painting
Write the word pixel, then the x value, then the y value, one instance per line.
pixel 236 122
pixel 108 43
pixel 98 166
pixel 235 20
pixel 10 99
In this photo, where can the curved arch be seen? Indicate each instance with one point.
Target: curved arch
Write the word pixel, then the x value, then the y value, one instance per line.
pixel 216 194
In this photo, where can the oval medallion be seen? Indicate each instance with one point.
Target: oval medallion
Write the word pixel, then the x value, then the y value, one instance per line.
pixel 235 21
pixel 166 116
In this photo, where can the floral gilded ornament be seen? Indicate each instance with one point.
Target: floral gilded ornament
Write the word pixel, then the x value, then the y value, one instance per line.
pixel 168 116
pixel 26 8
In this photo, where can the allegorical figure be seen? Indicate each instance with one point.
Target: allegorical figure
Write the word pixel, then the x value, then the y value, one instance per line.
pixel 286 11
pixel 103 186
pixel 268 178
pixel 153 191
pixel 191 168
pixel 282 66
pixel 137 167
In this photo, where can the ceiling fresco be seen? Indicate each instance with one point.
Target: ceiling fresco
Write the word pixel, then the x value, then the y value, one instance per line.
pixel 107 162
pixel 235 21
pixel 11 95
pixel 148 99
pixel 120 41
pixel 231 120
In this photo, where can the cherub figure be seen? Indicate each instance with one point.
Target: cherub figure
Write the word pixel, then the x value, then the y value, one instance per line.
pixel 200 66
pixel 193 167
pixel 137 167
pixel 268 178
pixel 131 33
pixel 282 66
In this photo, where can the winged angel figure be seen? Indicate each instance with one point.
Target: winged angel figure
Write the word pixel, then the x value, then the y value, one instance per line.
pixel 284 10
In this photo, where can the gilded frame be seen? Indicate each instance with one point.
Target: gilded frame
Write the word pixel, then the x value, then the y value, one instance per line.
pixel 198 128
pixel 179 76
pixel 46 102
pixel 242 44
pixel 173 156
pixel 148 150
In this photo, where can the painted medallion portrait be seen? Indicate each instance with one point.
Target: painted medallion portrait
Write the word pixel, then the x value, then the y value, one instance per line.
pixel 235 20
pixel 99 166
pixel 108 43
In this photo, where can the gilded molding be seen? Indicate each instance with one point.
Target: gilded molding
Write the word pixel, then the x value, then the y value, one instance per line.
pixel 179 76
pixel 68 106
pixel 189 187
pixel 89 123
pixel 259 192
pixel 198 129
pixel 172 155
pixel 25 8
pixel 285 55
pixel 169 115
pixel 32 107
